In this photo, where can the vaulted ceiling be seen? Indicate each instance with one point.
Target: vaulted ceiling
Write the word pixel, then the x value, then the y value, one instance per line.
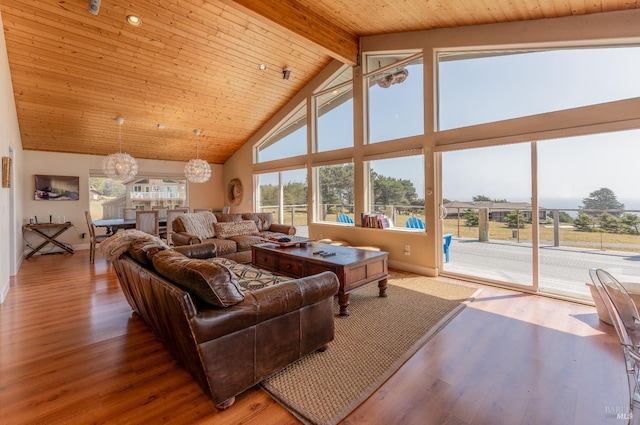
pixel 194 64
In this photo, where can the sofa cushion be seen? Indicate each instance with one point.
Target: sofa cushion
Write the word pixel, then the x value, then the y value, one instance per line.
pixel 224 246
pixel 200 224
pixel 228 218
pixel 212 283
pixel 245 242
pixel 143 250
pixel 263 220
pixel 227 230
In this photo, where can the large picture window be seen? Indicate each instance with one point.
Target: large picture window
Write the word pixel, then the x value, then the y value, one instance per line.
pixel 108 198
pixel 284 194
pixel 334 195
pixel 482 87
pixel 334 111
pixel 397 190
pixel 395 97
pixel 289 139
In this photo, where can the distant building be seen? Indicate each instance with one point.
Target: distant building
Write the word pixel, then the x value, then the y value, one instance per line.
pixel 94 195
pixel 147 194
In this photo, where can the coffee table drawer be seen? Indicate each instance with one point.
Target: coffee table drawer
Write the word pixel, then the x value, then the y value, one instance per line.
pixel 290 267
pixel 317 268
pixel 265 260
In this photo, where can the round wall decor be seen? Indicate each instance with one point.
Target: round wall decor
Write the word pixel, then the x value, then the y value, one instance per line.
pixel 234 192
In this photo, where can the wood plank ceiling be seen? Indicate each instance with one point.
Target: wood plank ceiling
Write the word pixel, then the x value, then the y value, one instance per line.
pixel 194 64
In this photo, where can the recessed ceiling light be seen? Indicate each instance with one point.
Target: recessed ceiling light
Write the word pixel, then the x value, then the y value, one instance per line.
pixel 134 20
pixel 262 66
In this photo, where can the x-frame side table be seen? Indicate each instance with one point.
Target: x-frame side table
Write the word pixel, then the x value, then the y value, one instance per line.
pixel 38 228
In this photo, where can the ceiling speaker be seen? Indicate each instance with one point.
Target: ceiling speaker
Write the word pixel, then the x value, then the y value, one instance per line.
pixel 94 6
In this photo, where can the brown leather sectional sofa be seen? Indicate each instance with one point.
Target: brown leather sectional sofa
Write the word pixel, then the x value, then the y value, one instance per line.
pixel 226 349
pixel 232 234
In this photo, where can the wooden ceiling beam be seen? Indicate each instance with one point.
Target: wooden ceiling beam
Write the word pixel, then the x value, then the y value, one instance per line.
pixel 301 21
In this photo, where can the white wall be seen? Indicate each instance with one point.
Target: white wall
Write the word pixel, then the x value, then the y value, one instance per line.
pixel 201 195
pixel 10 201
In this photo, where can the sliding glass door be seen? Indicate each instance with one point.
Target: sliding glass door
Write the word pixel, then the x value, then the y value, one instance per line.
pixel 487 207
pixel 588 185
pixel 587 213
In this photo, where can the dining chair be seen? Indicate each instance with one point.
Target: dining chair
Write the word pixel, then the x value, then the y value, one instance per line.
pixel 195 210
pixel 162 212
pixel 147 221
pixel 171 215
pixel 94 238
pixel 129 213
pixel 226 210
pixel 626 321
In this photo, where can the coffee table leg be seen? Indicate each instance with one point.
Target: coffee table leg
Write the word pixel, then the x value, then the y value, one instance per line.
pixel 382 286
pixel 343 302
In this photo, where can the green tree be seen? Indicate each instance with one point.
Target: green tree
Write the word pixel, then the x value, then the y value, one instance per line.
pixel 584 222
pixel 481 198
pixel 336 184
pixel 609 223
pixel 295 193
pixel 564 217
pixel 269 194
pixel 392 191
pixel 601 200
pixel 630 223
pixel 515 219
pixel 471 217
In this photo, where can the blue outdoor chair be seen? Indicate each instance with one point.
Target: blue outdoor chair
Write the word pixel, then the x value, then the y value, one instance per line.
pixel 343 218
pixel 446 241
pixel 414 223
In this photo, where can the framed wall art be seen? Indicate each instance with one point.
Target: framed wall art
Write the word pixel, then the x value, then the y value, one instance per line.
pixel 6 171
pixel 57 188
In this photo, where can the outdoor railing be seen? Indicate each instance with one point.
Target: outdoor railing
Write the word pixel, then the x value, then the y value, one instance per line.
pixel 557 227
pixel 297 214
pixel 155 195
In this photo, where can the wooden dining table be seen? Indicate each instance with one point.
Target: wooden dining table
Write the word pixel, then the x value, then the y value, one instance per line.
pixel 114 224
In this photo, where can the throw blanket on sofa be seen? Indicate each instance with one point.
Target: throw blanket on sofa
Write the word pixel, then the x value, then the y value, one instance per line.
pixel 199 224
pixel 119 243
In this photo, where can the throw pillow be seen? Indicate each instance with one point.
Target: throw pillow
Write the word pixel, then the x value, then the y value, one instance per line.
pixel 210 282
pixel 228 230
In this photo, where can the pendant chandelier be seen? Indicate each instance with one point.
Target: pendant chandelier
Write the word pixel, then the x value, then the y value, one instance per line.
pixel 120 166
pixel 197 170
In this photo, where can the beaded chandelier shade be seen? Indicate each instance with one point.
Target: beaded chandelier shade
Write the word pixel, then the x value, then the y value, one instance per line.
pixel 197 170
pixel 120 166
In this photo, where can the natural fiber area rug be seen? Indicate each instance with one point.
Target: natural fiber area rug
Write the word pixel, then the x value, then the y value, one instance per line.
pixel 369 346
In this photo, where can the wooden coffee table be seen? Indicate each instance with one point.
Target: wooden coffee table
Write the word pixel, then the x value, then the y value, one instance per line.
pixel 354 267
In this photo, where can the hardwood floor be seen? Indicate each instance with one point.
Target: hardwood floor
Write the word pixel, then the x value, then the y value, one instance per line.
pixel 72 352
